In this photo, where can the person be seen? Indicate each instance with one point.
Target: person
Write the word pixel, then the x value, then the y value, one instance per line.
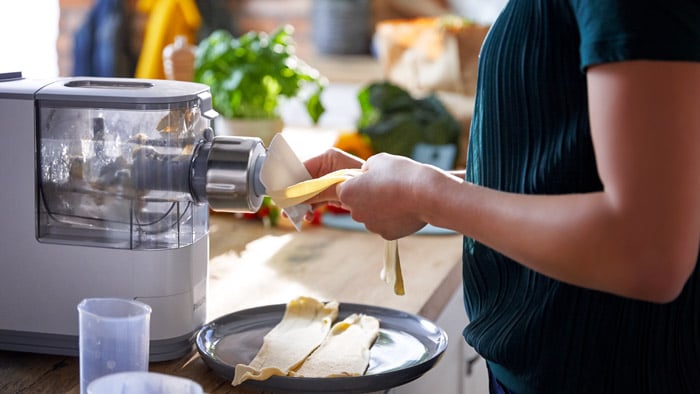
pixel 580 203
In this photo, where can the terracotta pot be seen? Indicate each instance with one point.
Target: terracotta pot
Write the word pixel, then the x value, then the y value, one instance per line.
pixel 264 129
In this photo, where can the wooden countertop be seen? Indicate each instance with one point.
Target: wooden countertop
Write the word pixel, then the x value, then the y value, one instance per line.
pixel 251 265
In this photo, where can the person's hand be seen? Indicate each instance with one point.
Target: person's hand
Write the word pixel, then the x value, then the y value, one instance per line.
pixel 388 196
pixel 329 161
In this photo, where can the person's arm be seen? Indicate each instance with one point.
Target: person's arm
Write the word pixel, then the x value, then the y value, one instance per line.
pixel 638 238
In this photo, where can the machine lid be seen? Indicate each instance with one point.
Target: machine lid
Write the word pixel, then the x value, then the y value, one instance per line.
pixel 14 86
pixel 122 92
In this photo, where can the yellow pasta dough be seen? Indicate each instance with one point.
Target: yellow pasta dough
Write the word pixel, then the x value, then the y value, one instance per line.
pixel 306 343
pixel 289 185
pixel 391 272
pixel 345 351
pixel 304 190
pixel 305 324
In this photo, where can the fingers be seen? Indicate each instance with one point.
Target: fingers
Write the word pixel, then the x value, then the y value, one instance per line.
pixel 331 160
pixel 327 196
pixel 346 160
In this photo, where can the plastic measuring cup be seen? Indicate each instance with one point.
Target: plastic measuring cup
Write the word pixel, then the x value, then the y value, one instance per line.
pixel 113 337
pixel 143 383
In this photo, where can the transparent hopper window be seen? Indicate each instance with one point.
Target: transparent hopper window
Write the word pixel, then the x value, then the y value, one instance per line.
pixel 119 178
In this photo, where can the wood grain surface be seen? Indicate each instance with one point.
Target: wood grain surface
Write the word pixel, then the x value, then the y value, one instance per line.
pixel 251 265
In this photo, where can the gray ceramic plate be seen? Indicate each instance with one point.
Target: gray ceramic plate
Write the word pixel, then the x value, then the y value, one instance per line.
pixel 407 347
pixel 346 222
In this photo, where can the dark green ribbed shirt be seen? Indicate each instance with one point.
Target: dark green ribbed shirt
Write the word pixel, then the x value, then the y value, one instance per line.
pixel 530 134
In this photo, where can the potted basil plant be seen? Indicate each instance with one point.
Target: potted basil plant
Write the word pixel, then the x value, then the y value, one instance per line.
pixel 251 75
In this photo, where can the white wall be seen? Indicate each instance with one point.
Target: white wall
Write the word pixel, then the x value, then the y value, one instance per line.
pixel 28 34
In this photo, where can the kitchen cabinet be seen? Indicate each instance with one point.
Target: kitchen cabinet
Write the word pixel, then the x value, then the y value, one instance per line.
pixel 460 370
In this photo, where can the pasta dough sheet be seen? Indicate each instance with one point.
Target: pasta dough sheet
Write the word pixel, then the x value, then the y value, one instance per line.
pixel 302 191
pixel 345 351
pixel 289 185
pixel 304 326
pixel 391 272
pixel 298 193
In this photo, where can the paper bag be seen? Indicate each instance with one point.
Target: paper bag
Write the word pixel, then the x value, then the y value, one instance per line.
pixel 428 55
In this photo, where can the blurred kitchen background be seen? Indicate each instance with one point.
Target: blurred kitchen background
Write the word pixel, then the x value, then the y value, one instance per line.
pixel 46 38
pixel 237 16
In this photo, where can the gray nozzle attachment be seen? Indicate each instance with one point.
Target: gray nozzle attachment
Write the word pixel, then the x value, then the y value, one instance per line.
pixel 258 186
pixel 225 173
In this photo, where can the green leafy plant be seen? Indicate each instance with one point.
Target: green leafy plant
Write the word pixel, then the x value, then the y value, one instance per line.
pixel 249 75
pixel 395 121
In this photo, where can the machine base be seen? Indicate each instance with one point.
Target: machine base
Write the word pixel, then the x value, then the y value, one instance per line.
pixel 67 345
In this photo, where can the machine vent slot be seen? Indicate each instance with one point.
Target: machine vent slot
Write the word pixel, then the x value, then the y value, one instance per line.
pixel 109 84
